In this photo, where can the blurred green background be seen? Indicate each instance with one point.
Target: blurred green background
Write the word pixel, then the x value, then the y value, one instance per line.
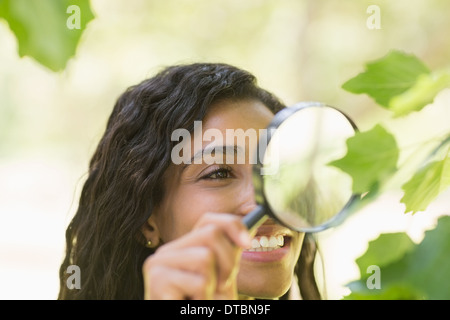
pixel 300 50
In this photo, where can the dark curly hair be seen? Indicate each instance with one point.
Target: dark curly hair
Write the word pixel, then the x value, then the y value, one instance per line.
pixel 125 179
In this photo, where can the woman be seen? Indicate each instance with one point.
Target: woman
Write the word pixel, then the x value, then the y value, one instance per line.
pixel 151 227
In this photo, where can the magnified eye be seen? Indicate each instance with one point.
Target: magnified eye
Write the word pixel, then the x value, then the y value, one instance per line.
pixel 219 173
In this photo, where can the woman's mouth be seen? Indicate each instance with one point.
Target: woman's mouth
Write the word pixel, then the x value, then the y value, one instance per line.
pixel 266 243
pixel 268 248
pixel 272 243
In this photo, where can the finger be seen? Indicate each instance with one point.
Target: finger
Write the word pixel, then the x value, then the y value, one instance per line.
pixel 222 234
pixel 213 238
pixel 237 232
pixel 230 227
pixel 231 224
pixel 200 260
pixel 165 283
pixel 225 252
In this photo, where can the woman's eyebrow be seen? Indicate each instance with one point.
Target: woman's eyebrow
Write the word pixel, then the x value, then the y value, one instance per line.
pixel 212 150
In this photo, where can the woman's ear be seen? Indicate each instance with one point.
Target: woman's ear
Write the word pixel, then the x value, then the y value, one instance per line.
pixel 151 234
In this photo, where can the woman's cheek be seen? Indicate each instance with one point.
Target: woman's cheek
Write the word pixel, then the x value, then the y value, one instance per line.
pixel 184 211
pixel 185 205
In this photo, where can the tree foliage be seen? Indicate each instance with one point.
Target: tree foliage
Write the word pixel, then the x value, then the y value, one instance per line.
pixel 402 84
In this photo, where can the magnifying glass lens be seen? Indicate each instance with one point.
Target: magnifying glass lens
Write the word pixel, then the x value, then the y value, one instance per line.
pixel 300 187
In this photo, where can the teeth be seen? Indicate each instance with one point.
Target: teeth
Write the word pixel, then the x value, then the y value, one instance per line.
pixel 255 243
pixel 273 242
pixel 265 243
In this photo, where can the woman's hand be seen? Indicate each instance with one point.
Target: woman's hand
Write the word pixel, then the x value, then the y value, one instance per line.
pixel 203 264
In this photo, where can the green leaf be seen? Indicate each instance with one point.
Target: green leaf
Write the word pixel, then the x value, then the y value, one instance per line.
pixel 421 93
pixel 426 185
pixel 421 272
pixel 429 264
pixel 41 28
pixel 398 243
pixel 371 159
pixel 387 77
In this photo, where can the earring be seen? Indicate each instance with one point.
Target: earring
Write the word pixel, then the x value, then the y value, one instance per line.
pixel 148 244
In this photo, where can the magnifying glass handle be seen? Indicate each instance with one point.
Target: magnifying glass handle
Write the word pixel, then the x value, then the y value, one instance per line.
pixel 255 218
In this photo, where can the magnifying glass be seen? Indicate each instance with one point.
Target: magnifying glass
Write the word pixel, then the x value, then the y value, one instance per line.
pixel 293 181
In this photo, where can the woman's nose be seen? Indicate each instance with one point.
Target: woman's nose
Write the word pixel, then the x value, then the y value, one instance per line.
pixel 247 200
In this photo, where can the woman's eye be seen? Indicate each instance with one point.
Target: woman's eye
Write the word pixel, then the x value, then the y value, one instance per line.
pixel 222 173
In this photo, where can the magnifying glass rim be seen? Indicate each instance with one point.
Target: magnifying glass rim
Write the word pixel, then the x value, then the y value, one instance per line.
pixel 279 118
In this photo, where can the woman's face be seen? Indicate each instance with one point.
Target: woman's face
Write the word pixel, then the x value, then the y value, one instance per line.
pixel 221 181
